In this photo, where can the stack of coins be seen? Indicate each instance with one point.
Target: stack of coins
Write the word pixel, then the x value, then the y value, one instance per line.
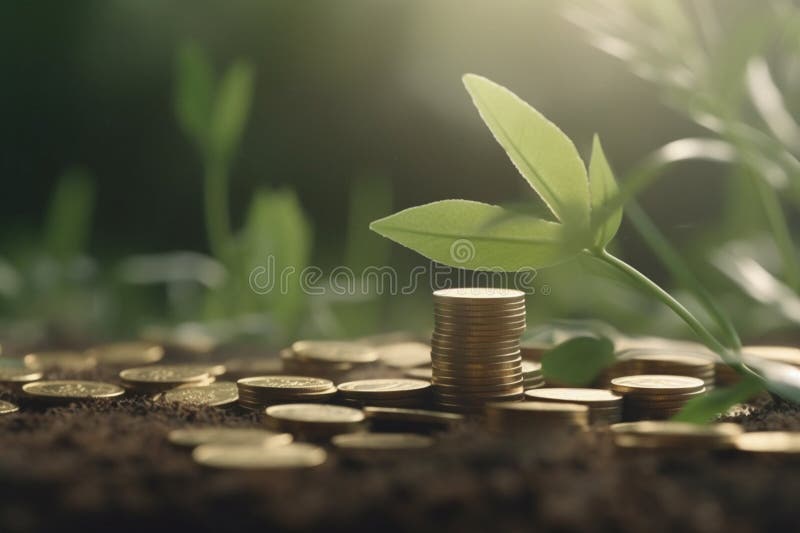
pixel 532 377
pixel 329 359
pixel 521 417
pixel 678 435
pixel 260 391
pixel 159 378
pixel 391 392
pixel 475 347
pixel 645 361
pixel 656 396
pixel 314 421
pixel 605 407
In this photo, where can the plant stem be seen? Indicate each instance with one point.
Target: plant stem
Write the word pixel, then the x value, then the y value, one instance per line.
pixel 218 223
pixel 650 286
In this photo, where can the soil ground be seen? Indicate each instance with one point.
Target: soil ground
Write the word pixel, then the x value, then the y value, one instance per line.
pixel 109 467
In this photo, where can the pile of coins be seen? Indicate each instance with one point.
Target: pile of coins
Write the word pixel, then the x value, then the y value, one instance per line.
pixel 648 361
pixel 475 347
pixel 523 417
pixel 656 396
pixel 258 392
pixel 532 377
pixel 159 378
pixel 604 406
pixel 678 435
pixel 392 392
pixel 329 359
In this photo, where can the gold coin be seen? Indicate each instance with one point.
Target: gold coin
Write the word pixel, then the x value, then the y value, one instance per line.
pixel 479 319
pixel 286 384
pixel 769 442
pixel 213 370
pixel 491 365
pixel 423 373
pixel 467 380
pixel 405 354
pixel 127 353
pixel 384 387
pixel 164 375
pixel 421 416
pixel 779 354
pixel 589 397
pixel 382 441
pixel 568 411
pixel 315 413
pixel 468 396
pixel 67 360
pixel 195 436
pixel 480 294
pixel 471 331
pixel 667 433
pixel 475 387
pixel 656 384
pixel 7 408
pixel 72 390
pixel 458 373
pixel 213 395
pixel 446 340
pixel 295 455
pixel 18 375
pixel 335 352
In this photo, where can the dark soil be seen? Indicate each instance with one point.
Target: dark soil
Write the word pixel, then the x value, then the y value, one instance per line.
pixel 109 466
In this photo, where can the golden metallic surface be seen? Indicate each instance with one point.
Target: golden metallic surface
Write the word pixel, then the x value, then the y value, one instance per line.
pixel 315 413
pixel 588 397
pixel 127 353
pixel 63 359
pixel 239 457
pixel 7 408
pixel 288 384
pixel 769 442
pixel 479 294
pixel 647 384
pixel 405 354
pixel 382 441
pixel 213 395
pixel 72 390
pixel 196 436
pixel 384 387
pixel 335 352
pixel 18 375
pixel 164 375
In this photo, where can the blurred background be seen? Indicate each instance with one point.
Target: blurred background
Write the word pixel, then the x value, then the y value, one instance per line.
pixel 154 153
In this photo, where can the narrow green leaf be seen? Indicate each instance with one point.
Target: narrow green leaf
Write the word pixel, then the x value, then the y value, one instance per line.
pixel 578 361
pixel 706 408
pixel 231 109
pixel 194 88
pixel 542 153
pixel 602 187
pixel 69 217
pixel 474 236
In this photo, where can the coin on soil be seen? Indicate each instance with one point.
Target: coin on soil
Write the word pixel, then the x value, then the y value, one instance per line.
pixel 213 395
pixel 334 352
pixel 290 456
pixel 7 408
pixel 314 420
pixel 66 360
pixel 130 353
pixel 405 354
pixel 286 383
pixel 15 376
pixel 769 442
pixel 656 384
pixel 72 390
pixel 382 441
pixel 163 376
pixel 228 436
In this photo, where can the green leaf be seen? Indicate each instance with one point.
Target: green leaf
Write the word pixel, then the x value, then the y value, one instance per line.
pixel 578 361
pixel 542 153
pixel 475 236
pixel 231 109
pixel 602 188
pixel 194 88
pixel 706 408
pixel 69 218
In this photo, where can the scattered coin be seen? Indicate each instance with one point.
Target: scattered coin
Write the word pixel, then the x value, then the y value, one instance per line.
pixel 258 392
pixel 195 436
pixel 377 446
pixel 769 442
pixel 532 416
pixel 72 390
pixel 405 354
pixel 670 434
pixel 213 395
pixel 65 360
pixel 314 420
pixel 398 416
pixel 334 352
pixel 605 407
pixel 11 376
pixel 7 408
pixel 385 392
pixel 289 456
pixel 156 378
pixel 130 353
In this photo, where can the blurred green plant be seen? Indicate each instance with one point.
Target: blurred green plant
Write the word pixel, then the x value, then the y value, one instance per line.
pixel 586 211
pixel 276 234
